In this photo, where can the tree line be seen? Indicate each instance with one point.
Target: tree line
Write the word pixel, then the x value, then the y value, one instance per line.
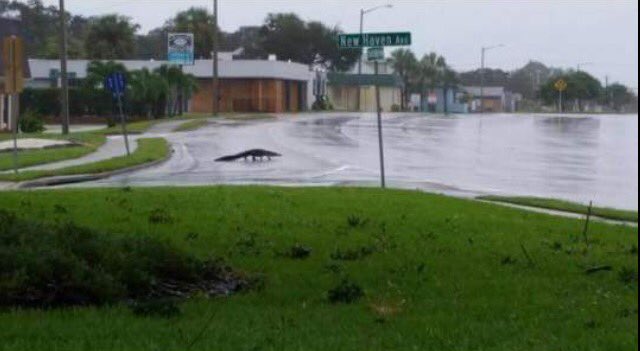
pixel 534 81
pixel 113 36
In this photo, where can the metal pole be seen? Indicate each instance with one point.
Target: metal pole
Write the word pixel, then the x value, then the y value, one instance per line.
pixel 560 101
pixel 215 87
pixel 379 112
pixel 14 115
pixel 482 81
pixel 64 97
pixel 360 58
pixel 123 123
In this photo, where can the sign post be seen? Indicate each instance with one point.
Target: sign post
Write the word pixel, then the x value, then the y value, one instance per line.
pixel 375 42
pixel 376 54
pixel 12 56
pixel 117 84
pixel 560 85
pixel 180 48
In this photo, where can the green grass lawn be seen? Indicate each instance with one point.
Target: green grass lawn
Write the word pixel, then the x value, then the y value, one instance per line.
pixel 137 127
pixel 191 125
pixel 149 150
pixel 438 273
pixel 88 143
pixel 554 204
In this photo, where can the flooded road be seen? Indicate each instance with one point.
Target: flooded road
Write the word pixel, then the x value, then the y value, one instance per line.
pixel 578 158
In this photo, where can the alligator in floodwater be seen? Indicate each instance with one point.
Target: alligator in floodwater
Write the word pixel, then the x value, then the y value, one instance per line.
pixel 253 153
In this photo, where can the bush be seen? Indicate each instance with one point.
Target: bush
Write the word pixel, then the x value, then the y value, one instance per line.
pixel 45 102
pixel 52 265
pixel 31 122
pixel 322 104
pixel 396 108
pixel 345 292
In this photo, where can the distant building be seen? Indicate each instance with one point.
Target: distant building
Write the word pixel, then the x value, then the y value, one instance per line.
pixel 245 85
pixel 343 90
pixel 494 99
pixel 8 27
pixel 435 101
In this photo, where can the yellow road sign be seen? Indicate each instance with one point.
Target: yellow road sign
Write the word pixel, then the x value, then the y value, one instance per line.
pixel 12 57
pixel 560 85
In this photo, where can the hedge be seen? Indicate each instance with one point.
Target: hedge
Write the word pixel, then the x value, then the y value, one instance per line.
pixel 82 102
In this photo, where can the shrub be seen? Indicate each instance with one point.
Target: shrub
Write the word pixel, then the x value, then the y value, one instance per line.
pixel 322 104
pixel 396 108
pixel 345 292
pixel 352 254
pixel 297 251
pixel 31 122
pixel 43 265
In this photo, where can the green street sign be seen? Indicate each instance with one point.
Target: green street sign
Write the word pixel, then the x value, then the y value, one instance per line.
pixel 355 41
pixel 375 54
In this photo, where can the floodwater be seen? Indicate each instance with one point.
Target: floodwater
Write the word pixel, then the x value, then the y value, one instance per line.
pixel 578 158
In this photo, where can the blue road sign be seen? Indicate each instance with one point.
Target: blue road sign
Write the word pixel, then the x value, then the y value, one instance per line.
pixel 116 83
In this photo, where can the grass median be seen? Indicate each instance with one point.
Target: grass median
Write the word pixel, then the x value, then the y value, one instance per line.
pixel 191 125
pixel 566 206
pixel 85 143
pixel 351 269
pixel 148 150
pixel 137 127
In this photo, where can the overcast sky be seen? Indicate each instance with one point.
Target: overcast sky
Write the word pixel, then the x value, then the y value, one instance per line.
pixel 558 33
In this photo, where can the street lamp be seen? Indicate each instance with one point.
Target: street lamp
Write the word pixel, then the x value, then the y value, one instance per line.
pixel 484 50
pixel 362 13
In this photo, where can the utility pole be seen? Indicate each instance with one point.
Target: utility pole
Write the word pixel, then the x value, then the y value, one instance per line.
pixel 483 51
pixel 608 100
pixel 362 13
pixel 64 96
pixel 482 80
pixel 215 86
pixel 360 58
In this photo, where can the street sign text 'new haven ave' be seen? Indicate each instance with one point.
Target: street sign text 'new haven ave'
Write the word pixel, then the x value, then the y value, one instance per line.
pixel 355 41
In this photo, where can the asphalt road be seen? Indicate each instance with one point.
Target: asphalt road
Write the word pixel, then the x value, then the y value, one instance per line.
pixel 578 158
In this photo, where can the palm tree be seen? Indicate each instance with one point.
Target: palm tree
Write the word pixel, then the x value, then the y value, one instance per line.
pixel 429 73
pixel 180 85
pixel 173 77
pixel 93 85
pixel 150 89
pixel 404 63
pixel 188 85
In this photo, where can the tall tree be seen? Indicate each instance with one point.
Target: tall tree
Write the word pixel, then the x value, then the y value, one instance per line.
pixel 110 37
pixel 428 73
pixel 617 96
pixel 199 22
pixel 581 86
pixel 290 38
pixel 405 64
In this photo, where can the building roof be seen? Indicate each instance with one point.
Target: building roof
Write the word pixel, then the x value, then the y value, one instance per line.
pixel 9 27
pixel 488 92
pixel 41 69
pixel 388 80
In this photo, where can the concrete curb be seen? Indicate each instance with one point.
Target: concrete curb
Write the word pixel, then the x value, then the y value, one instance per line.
pixel 79 178
pixel 560 213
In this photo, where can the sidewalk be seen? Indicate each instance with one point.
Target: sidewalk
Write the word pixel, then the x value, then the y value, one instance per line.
pixel 113 147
